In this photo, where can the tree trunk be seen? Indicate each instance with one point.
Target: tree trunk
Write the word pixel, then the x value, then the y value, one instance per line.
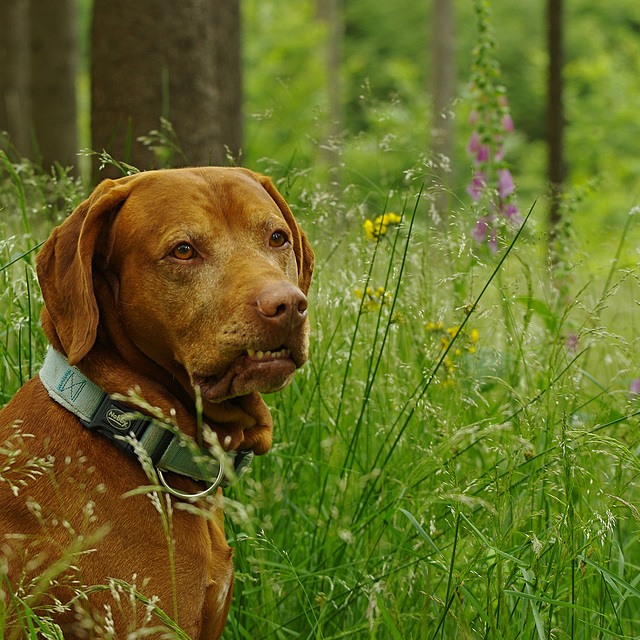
pixel 555 113
pixel 154 59
pixel 329 12
pixel 53 81
pixel 14 75
pixel 444 79
pixel 228 75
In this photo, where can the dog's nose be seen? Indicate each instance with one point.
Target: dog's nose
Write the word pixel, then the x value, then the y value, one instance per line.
pixel 282 304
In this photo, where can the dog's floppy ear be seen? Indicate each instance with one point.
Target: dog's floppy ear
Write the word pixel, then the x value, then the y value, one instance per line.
pixel 301 247
pixel 65 269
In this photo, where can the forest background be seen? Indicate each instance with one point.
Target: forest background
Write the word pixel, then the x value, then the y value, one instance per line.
pixel 355 76
pixel 460 456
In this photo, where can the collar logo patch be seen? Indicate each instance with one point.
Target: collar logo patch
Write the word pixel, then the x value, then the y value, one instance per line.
pixel 118 420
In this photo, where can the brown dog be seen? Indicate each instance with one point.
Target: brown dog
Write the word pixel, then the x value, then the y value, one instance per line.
pixel 174 283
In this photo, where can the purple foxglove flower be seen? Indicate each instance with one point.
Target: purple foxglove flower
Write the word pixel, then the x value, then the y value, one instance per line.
pixel 474 144
pixel 513 215
pixel 634 387
pixel 477 185
pixel 493 241
pixel 505 183
pixel 484 152
pixel 572 342
pixel 481 230
pixel 507 123
pixel 510 212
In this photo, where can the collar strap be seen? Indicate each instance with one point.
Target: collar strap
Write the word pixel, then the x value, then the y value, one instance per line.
pixel 98 412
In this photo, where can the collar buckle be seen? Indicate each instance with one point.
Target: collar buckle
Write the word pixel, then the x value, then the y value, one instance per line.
pixel 115 421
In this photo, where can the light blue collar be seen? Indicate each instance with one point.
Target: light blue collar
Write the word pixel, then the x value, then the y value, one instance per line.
pixel 168 451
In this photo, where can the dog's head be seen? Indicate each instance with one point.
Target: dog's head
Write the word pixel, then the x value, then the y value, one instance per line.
pixel 202 272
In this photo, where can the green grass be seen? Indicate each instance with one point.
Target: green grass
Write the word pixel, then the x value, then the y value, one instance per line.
pixel 420 485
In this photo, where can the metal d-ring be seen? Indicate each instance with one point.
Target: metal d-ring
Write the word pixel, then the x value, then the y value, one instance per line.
pixel 193 496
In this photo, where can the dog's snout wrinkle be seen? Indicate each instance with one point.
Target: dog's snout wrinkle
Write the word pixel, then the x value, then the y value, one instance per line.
pixel 282 304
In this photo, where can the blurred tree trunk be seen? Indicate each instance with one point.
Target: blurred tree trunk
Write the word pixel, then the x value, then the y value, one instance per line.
pixel 443 90
pixel 329 12
pixel 228 73
pixel 180 61
pixel 38 79
pixel 555 113
pixel 53 81
pixel 14 74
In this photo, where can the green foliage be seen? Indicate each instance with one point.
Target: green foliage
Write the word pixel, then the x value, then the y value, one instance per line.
pixel 284 81
pixel 411 498
pixel 387 107
pixel 383 59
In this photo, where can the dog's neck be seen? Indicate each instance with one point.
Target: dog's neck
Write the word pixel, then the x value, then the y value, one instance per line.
pixel 151 439
pixel 240 423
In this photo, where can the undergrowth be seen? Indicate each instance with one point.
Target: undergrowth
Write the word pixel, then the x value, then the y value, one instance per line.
pixel 459 459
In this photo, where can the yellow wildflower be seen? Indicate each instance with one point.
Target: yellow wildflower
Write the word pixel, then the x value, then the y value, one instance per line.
pixel 465 343
pixel 372 300
pixel 453 331
pixel 368 228
pixel 381 225
pixel 450 364
pixel 398 318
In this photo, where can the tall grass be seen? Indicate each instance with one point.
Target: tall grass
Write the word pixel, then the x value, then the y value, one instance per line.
pixel 422 489
pixel 458 459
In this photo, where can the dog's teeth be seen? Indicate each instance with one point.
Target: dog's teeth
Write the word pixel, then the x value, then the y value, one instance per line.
pixel 261 355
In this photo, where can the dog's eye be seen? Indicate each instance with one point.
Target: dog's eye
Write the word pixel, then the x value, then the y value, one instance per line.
pixel 277 239
pixel 184 251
